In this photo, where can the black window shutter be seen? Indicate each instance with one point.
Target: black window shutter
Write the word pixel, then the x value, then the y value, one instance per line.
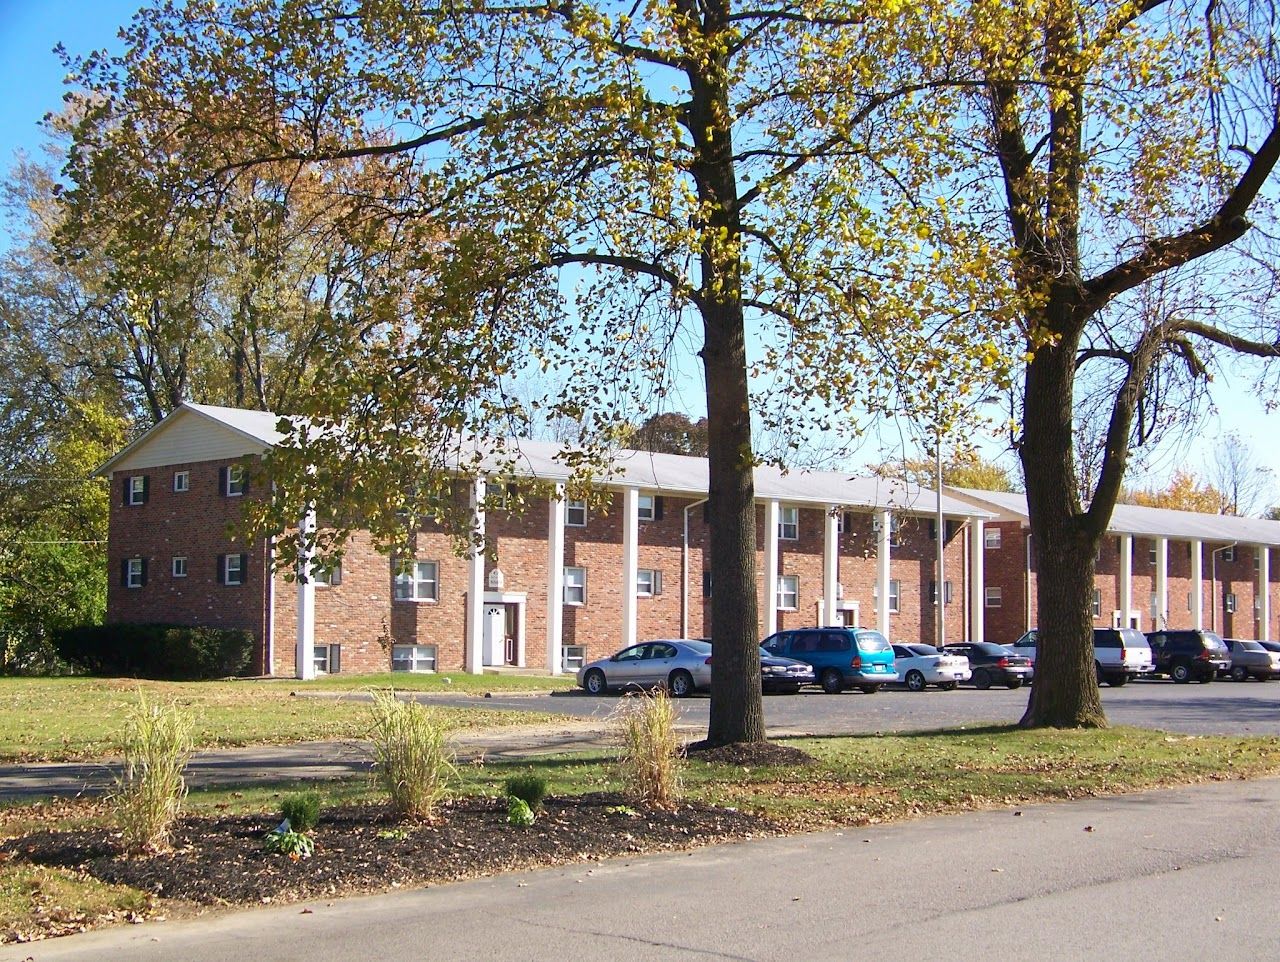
pixel 146 488
pixel 222 569
pixel 706 584
pixel 657 582
pixel 706 512
pixel 933 530
pixel 657 509
pixel 244 569
pixel 222 481
pixel 335 659
pixel 244 480
pixel 128 482
pixel 144 571
pixel 124 572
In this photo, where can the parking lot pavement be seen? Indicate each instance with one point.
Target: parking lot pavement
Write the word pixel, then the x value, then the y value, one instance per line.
pixel 1220 708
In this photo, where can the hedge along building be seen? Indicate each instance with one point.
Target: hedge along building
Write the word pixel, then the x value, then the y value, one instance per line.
pixel 560 582
pixel 1156 568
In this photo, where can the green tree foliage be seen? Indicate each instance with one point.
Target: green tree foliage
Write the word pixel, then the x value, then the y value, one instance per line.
pixel 672 433
pixel 573 188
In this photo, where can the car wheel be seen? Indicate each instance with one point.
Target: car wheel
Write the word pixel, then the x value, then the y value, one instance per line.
pixel 1118 681
pixel 594 683
pixel 680 684
pixel 1239 673
pixel 1013 683
pixel 1205 679
pixel 831 682
pixel 1097 670
pixel 868 689
pixel 948 686
pixel 981 680
pixel 915 680
pixel 1180 673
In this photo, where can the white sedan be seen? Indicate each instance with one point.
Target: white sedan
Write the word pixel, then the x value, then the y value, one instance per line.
pixel 923 665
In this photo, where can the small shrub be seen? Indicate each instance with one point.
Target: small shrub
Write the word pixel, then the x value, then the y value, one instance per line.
pixel 519 813
pixel 651 749
pixel 530 787
pixel 150 790
pixel 296 845
pixel 180 652
pixel 302 810
pixel 412 761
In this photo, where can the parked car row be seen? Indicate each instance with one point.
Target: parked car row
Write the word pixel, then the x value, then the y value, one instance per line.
pixel 838 658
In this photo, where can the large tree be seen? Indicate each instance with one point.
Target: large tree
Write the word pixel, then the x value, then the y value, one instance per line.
pixel 1131 145
pixel 582 189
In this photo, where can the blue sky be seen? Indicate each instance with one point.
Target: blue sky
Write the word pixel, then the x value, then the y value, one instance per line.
pixel 31 85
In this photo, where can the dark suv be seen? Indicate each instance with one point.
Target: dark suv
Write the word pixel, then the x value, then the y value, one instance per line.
pixel 841 657
pixel 1187 654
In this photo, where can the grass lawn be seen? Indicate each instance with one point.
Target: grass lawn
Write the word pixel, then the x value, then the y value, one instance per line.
pixel 854 781
pixel 69 719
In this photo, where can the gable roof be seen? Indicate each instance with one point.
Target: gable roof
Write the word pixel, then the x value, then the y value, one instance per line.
pixel 220 432
pixel 1134 519
pixel 254 432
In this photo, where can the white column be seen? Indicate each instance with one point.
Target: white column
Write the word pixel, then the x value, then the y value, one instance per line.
pixel 830 564
pixel 772 516
pixel 304 657
pixel 630 562
pixel 1197 584
pixel 882 572
pixel 1126 578
pixel 977 581
pixel 1162 583
pixel 474 654
pixel 555 581
pixel 1264 592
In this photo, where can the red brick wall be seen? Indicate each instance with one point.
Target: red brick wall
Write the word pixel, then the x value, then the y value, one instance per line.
pixel 195 524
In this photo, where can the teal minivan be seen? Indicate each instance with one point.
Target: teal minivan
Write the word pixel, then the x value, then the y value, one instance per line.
pixel 841 657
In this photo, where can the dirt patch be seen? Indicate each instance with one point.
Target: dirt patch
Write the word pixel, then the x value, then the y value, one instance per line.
pixel 750 754
pixel 363 848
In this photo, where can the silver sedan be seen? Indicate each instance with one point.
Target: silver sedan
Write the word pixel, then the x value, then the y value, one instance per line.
pixel 683 665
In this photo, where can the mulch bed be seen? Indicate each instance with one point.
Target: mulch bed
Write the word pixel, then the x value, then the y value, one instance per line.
pixel 750 754
pixel 361 848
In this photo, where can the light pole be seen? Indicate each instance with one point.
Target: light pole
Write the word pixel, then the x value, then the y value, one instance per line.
pixel 940 593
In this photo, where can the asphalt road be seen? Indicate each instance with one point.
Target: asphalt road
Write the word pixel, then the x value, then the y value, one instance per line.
pixel 1182 874
pixel 1222 707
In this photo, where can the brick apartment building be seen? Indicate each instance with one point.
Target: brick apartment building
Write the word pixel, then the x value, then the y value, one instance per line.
pixel 565 581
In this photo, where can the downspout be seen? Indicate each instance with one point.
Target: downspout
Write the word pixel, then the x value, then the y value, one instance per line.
pixel 684 570
pixel 1026 586
pixel 271 607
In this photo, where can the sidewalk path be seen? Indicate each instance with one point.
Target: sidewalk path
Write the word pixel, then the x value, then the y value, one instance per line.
pixel 305 760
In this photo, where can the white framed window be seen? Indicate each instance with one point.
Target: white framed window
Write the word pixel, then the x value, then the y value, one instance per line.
pixel 181 481
pixel 789 592
pixel 1229 553
pixel 575 586
pixel 1229 602
pixel 789 524
pixel 648 507
pixel 179 567
pixel 990 537
pixel 327 577
pixel 1151 552
pixel 136 489
pixel 233 569
pixel 575 514
pixel 648 582
pixel 234 481
pixel 1154 611
pixel 1257 561
pixel 895 595
pixel 994 596
pixel 1188 601
pixel 1097 602
pixel 946 592
pixel 327 659
pixel 413 657
pixel 135 572
pixel 417 581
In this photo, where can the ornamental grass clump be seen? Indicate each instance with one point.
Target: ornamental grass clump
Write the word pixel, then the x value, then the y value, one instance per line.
pixel 651 760
pixel 150 790
pixel 412 760
pixel 530 787
pixel 301 810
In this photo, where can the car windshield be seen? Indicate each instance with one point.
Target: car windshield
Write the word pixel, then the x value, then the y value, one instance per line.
pixel 872 641
pixel 1212 640
pixel 988 648
pixel 922 649
pixel 1133 638
pixel 1250 646
pixel 698 647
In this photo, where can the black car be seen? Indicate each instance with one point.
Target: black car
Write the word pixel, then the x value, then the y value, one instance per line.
pixel 1188 653
pixel 783 676
pixel 993 664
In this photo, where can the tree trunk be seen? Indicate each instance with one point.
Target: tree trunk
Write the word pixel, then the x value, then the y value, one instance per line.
pixel 1065 693
pixel 737 706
